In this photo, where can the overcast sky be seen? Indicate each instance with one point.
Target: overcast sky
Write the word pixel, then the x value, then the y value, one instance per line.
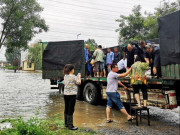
pixel 93 19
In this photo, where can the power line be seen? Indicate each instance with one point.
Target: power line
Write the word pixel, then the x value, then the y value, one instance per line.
pixel 76 34
pixel 89 36
pixel 130 3
pixel 82 34
pixel 80 26
pixel 81 23
pixel 100 4
pixel 84 11
pixel 60 38
pixel 91 20
pixel 84 6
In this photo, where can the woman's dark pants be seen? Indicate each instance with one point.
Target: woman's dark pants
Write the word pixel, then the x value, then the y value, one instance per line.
pixel 70 101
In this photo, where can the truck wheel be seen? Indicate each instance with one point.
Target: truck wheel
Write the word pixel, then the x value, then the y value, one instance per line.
pixel 90 93
pixel 61 88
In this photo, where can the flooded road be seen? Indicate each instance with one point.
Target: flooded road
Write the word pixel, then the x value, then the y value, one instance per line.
pixel 25 93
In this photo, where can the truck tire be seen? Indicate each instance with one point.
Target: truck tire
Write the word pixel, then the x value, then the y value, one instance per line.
pixel 90 93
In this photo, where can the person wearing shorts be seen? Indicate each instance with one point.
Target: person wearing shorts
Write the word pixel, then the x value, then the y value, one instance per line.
pixel 103 66
pixel 112 95
pixel 98 54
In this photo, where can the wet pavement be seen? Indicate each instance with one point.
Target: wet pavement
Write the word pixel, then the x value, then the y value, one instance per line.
pixel 25 93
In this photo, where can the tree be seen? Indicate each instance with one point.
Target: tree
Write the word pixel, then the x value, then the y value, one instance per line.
pixel 131 27
pixel 21 22
pixel 13 56
pixel 151 21
pixel 138 27
pixel 35 55
pixel 92 44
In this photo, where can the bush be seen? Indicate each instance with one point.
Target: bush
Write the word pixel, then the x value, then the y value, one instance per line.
pixel 12 67
pixel 53 125
pixel 31 127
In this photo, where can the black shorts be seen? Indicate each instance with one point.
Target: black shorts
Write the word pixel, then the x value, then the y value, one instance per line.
pixel 98 66
pixel 143 88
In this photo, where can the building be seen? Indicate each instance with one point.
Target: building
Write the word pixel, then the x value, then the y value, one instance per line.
pixel 28 66
pixel 3 64
pixel 25 64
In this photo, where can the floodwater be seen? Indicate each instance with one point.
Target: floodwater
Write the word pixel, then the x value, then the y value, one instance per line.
pixel 26 93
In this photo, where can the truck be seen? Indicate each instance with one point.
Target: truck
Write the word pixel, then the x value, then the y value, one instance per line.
pixel 163 92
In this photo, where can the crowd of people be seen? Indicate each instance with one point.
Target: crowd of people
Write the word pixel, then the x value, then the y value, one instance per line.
pixel 98 63
pixel 137 58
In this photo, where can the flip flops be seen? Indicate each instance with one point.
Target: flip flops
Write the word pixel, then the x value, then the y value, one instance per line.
pixel 109 121
pixel 132 118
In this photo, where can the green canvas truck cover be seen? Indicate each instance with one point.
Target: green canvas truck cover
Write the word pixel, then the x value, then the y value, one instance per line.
pixel 169 34
pixel 57 54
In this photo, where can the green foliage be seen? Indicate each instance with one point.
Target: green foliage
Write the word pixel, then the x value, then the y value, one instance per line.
pixel 13 56
pixel 35 54
pixel 131 27
pixel 92 44
pixel 151 21
pixel 167 8
pixel 51 126
pixel 136 27
pixel 12 67
pixel 21 22
pixel 32 126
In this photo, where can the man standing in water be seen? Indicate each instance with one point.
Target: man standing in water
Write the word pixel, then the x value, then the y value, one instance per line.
pixel 112 95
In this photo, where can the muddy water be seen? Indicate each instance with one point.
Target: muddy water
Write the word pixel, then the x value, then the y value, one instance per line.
pixel 25 93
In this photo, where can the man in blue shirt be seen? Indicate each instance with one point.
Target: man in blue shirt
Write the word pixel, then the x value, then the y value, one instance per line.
pixel 109 59
pixel 86 58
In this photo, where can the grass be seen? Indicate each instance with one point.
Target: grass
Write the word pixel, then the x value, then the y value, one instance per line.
pixel 12 67
pixel 34 126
